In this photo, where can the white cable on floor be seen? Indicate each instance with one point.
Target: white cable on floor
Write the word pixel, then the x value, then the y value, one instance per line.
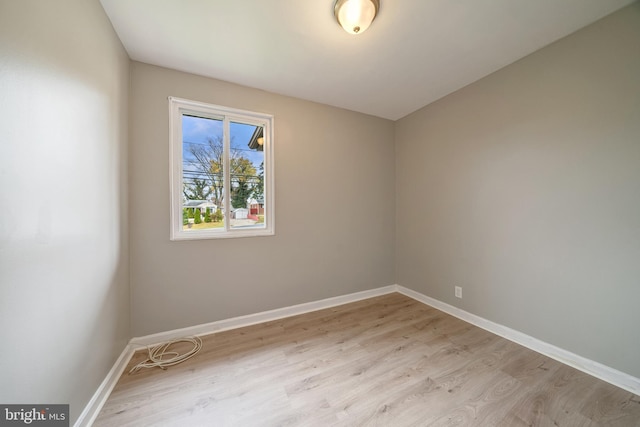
pixel 158 354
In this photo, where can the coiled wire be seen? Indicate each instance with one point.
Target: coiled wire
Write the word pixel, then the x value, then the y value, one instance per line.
pixel 161 357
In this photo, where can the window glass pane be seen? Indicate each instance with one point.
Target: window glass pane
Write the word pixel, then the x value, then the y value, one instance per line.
pixel 246 157
pixel 202 173
pixel 221 172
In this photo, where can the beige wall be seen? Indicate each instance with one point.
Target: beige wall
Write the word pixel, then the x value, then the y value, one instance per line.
pixel 64 299
pixel 334 173
pixel 524 189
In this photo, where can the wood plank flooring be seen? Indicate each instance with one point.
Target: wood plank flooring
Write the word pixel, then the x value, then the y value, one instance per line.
pixel 385 361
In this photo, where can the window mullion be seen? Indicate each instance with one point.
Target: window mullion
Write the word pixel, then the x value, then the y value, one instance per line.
pixel 227 172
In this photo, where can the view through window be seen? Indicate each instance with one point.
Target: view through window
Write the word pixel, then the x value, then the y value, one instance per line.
pixel 223 157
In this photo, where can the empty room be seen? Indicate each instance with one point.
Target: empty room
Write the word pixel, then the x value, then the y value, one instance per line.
pixel 320 213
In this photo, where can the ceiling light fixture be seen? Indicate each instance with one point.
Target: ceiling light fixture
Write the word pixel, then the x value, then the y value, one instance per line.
pixel 355 16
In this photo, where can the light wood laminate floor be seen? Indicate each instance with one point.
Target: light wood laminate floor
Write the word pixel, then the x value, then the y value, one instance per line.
pixel 385 361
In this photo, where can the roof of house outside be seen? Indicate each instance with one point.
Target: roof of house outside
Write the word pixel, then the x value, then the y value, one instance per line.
pixel 198 204
pixel 253 142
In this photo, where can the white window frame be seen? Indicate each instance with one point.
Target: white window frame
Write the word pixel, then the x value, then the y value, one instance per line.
pixel 178 107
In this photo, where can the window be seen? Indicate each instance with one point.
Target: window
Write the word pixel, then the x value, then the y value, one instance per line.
pixel 221 171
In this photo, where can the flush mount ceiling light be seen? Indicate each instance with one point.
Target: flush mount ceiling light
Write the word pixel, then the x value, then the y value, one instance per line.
pixel 355 16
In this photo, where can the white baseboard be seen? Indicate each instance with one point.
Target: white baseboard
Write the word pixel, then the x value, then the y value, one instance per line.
pixel 252 319
pixel 596 369
pixel 91 411
pixel 98 400
pixel 101 395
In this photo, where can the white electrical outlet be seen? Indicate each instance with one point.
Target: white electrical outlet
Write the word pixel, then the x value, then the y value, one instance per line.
pixel 458 292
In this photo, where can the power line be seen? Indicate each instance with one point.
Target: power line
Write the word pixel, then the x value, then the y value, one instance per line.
pixel 219 177
pixel 206 144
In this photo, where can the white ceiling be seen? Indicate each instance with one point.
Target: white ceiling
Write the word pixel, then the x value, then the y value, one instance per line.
pixel 415 52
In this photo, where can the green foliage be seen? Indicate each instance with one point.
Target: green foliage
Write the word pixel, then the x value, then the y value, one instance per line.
pixel 240 194
pixel 190 212
pixel 197 216
pixel 217 216
pixel 197 189
pixel 185 216
pixel 243 175
pixel 258 189
pixel 207 215
pixel 207 159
